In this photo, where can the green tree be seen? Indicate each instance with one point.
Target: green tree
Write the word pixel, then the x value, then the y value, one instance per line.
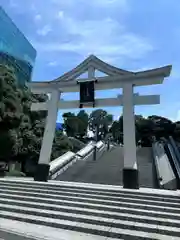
pixel 82 118
pixel 144 130
pixel 21 130
pixel 77 144
pixel 176 134
pixel 163 127
pixel 99 121
pixel 61 145
pixel 70 124
pixel 76 125
pixel 31 131
pixel 117 130
pixel 11 114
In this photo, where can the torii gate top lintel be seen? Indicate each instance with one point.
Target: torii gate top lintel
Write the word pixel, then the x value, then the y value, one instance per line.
pixel 114 78
pixel 91 62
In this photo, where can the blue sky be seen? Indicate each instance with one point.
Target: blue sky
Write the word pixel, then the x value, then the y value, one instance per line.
pixel 130 34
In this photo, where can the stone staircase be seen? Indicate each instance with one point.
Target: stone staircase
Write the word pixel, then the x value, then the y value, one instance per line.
pixel 90 171
pixel 101 210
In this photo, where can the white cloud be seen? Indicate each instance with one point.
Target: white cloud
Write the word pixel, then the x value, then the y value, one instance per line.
pixel 105 2
pixel 144 68
pixel 104 34
pixel 60 14
pixel 38 17
pixel 105 38
pixel 121 4
pixel 33 6
pixel 53 63
pixel 44 30
pixel 13 3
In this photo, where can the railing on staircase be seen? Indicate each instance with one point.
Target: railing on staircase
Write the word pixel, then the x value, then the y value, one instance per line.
pixel 91 151
pixel 166 179
pixel 86 152
pixel 60 164
pixel 174 158
pixel 156 173
pixel 176 149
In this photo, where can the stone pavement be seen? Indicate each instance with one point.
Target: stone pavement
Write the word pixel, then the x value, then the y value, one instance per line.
pixel 6 235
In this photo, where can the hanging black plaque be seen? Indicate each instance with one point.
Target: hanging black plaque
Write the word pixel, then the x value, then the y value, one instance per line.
pixel 87 93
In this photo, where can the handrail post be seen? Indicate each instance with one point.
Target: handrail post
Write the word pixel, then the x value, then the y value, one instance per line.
pixel 95 152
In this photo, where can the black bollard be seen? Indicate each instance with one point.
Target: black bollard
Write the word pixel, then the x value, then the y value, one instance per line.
pixel 108 145
pixel 94 153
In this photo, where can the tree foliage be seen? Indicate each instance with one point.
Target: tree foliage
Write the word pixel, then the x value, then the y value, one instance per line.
pixel 117 130
pixel 11 114
pixel 99 122
pixel 21 130
pixel 61 145
pixel 147 128
pixel 76 125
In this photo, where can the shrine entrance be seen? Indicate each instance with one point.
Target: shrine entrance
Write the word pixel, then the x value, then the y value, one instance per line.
pixel 116 78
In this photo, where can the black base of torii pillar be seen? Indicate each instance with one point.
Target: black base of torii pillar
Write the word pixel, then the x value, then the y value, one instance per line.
pixel 42 173
pixel 130 178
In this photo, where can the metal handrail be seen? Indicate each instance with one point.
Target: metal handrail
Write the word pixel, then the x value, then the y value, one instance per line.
pixel 175 148
pixel 157 177
pixel 173 160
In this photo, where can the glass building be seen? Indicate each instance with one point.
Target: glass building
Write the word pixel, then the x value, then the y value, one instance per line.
pixel 15 49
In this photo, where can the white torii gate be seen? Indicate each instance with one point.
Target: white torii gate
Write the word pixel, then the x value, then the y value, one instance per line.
pixel 116 78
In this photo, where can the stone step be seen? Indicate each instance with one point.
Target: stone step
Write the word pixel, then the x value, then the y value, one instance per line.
pixel 92 193
pixel 92 216
pixel 40 232
pixel 91 188
pixel 92 203
pixel 105 227
pixel 87 199
pixel 91 210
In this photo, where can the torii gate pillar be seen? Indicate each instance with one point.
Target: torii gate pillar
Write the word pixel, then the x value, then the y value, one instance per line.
pixel 130 172
pixel 42 171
